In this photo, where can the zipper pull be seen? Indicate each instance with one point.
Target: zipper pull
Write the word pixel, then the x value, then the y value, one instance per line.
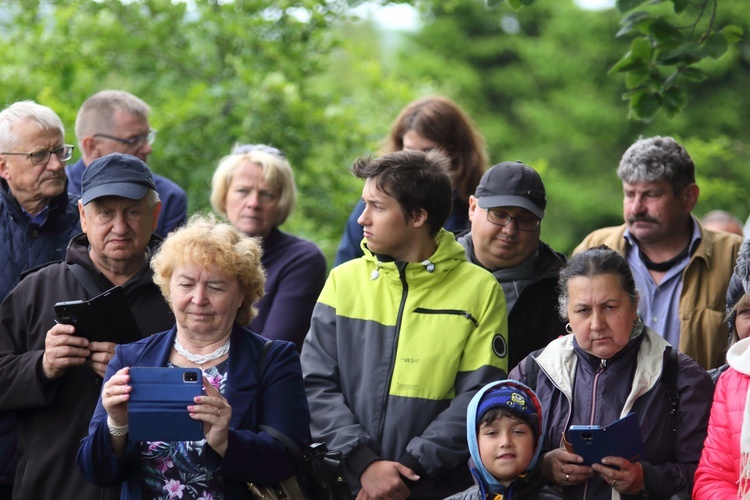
pixel 602 364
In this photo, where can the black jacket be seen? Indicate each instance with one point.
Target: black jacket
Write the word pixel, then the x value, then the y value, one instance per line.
pixel 53 415
pixel 533 322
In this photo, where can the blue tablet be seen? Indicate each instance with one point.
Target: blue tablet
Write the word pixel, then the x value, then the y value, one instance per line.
pixel 157 409
pixel 621 438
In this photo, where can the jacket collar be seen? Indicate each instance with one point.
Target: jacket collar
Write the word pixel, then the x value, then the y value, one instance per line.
pixel 448 255
pixel 57 205
pixel 559 360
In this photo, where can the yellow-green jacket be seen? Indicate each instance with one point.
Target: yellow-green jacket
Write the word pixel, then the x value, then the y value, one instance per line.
pixel 396 351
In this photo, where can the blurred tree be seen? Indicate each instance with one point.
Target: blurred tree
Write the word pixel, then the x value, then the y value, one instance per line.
pixel 214 73
pixel 302 76
pixel 536 82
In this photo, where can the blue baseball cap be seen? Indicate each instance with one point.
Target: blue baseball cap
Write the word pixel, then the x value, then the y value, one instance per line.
pixel 116 174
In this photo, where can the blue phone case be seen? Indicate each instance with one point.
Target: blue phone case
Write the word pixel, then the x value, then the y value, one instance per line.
pixel 621 438
pixel 157 409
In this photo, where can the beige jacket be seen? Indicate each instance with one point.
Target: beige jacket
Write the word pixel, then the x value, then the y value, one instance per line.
pixel 703 330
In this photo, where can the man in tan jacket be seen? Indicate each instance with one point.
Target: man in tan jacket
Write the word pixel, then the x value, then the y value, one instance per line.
pixel 680 268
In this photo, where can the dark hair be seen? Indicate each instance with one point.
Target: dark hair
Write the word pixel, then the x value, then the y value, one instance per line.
pixel 417 180
pixel 657 158
pixel 441 120
pixel 499 412
pixel 589 264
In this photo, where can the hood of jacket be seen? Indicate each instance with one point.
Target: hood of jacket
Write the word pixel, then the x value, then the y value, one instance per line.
pixel 738 356
pixel 489 484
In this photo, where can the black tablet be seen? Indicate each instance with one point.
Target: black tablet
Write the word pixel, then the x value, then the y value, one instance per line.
pixel 105 318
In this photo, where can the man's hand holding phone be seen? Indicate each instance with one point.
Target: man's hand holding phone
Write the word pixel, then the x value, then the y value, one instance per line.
pixel 63 349
pixel 101 353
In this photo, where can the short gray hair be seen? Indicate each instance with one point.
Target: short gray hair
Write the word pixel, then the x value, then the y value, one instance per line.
pixel 657 158
pixel 23 111
pixel 97 112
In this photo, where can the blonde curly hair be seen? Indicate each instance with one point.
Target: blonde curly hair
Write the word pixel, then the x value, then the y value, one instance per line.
pixel 207 242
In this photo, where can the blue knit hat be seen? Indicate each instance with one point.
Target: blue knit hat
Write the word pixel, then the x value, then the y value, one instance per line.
pixel 515 401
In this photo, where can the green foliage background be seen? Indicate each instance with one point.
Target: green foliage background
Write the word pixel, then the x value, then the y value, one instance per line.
pixel 305 77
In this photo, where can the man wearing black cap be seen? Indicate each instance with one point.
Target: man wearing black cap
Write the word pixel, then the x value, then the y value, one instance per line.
pixel 50 377
pixel 506 212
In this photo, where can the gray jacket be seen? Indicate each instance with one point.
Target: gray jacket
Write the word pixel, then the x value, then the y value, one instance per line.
pixel 571 383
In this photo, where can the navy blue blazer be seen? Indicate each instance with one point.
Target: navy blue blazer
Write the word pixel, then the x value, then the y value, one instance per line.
pixel 275 398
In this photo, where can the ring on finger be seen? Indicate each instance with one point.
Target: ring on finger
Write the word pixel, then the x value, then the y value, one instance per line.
pixel 567 477
pixel 612 484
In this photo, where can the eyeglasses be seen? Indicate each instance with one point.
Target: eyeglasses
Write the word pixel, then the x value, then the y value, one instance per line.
pixel 63 153
pixel 523 222
pixel 138 140
pixel 243 149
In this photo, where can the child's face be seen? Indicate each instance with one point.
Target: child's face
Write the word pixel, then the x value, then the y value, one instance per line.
pixel 506 446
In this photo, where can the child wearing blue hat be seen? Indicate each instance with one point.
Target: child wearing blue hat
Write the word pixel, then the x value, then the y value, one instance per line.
pixel 503 426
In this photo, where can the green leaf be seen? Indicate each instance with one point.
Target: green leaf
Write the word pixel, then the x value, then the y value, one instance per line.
pixel 636 77
pixel 680 5
pixel 645 105
pixel 716 45
pixel 527 2
pixel 627 64
pixel 637 58
pixel 626 5
pixel 515 4
pixel 688 53
pixel 633 21
pixel 676 97
pixel 732 33
pixel 693 74
pixel 663 32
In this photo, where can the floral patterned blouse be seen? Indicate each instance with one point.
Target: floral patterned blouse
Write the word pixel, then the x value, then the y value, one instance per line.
pixel 176 469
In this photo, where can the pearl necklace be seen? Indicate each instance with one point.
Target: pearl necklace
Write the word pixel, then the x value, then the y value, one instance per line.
pixel 200 359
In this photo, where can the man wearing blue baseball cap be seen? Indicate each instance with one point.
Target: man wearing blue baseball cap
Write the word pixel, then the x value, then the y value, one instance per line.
pixel 50 376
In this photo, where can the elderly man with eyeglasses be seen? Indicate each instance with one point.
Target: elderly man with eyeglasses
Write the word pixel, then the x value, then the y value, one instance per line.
pixel 114 121
pixel 506 214
pixel 37 217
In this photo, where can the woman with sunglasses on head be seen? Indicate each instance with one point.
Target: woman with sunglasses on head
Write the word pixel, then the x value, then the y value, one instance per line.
pixel 254 189
pixel 430 123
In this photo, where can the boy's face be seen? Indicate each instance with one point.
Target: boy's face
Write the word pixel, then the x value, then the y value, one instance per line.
pixel 506 446
pixel 386 229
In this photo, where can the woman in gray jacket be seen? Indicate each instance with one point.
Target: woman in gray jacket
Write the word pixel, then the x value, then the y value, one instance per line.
pixel 611 366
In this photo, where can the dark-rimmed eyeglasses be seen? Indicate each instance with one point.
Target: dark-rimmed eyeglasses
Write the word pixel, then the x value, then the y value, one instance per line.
pixel 523 222
pixel 138 140
pixel 63 153
pixel 243 149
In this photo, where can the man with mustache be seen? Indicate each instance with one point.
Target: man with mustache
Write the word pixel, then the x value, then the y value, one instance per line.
pixel 37 217
pixel 681 269
pixel 506 214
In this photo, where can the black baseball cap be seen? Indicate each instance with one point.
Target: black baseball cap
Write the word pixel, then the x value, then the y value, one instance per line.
pixel 512 184
pixel 116 174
